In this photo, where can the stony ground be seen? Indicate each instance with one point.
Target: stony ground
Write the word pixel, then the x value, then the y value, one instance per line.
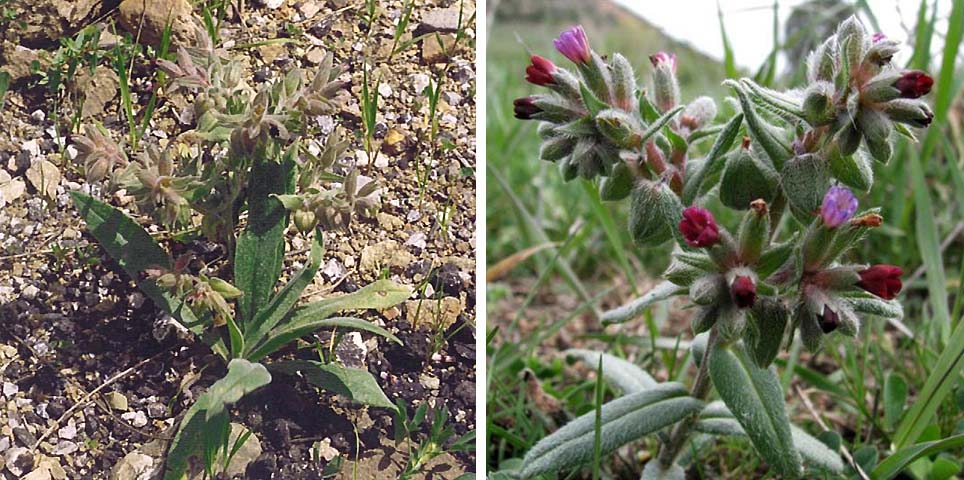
pixel 94 377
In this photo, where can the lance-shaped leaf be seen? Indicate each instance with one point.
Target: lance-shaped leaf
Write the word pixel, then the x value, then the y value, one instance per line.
pixel 661 291
pixel 280 304
pixel 892 465
pixel 623 420
pixel 355 384
pixel 764 133
pixel 243 377
pixel 716 419
pixel 286 333
pixel 805 180
pixel 764 334
pixel 260 251
pixel 723 143
pixel 754 395
pixel 654 470
pixel 777 102
pixel 134 250
pixel 624 375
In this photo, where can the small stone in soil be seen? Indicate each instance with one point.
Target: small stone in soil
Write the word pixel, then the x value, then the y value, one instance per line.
pixel 18 461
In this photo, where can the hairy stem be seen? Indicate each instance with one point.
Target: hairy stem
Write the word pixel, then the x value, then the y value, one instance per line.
pixel 701 389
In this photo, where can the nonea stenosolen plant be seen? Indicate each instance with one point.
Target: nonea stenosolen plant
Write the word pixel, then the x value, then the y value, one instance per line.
pixel 794 162
pixel 244 165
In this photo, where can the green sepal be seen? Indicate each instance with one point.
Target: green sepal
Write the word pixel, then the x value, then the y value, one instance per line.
pixel 618 185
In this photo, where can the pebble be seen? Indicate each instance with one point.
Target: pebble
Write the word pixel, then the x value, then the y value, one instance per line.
pixel 315 56
pixel 117 401
pixel 68 432
pixel 385 90
pixel 19 461
pixel 429 382
pixel 30 292
pixel 10 389
pixel 272 4
pixel 138 419
pixel 417 240
pixel 420 82
pixel 65 447
pixel 156 410
pixel 31 147
pixel 38 115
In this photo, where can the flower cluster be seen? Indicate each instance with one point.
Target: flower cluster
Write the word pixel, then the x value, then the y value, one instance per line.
pixel 802 152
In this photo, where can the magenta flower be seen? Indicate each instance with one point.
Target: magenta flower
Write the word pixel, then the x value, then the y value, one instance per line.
pixel 573 44
pixel 540 71
pixel 699 227
pixel 525 108
pixel 663 58
pixel 839 204
pixel 881 280
pixel 914 84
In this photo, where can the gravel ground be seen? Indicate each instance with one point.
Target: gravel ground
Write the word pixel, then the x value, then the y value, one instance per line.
pixel 94 376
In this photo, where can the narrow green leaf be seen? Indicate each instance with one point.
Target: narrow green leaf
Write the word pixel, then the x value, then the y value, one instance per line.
pixel 624 375
pixel 287 333
pixel 729 60
pixel 721 145
pixel 242 378
pixel 4 85
pixel 716 419
pixel 623 420
pixel 377 295
pixel 895 395
pixel 260 252
pixel 753 394
pixel 659 123
pixel 272 313
pixel 893 464
pixel 661 291
pixel 355 384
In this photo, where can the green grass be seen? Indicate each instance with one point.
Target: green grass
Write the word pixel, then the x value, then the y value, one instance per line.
pixel 881 393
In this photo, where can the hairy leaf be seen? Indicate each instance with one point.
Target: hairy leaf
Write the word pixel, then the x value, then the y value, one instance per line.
pixel 622 374
pixel 355 384
pixel 661 291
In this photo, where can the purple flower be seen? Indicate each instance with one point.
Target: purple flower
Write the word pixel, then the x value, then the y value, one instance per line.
pixel 878 37
pixel 663 58
pixel 839 204
pixel 573 44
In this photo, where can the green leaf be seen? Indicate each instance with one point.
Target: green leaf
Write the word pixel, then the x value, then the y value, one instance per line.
pixel 765 332
pixel 4 85
pixel 895 395
pixel 659 123
pixel 355 384
pixel 723 143
pixel 286 333
pixel 660 292
pixel 242 378
pixel 624 375
pixel 260 252
pixel 135 251
pixel 753 394
pixel 763 133
pixel 272 313
pixel 716 419
pixel 623 420
pixel 654 470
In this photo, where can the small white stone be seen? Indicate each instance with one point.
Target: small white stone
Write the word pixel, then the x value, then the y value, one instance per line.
pixel 429 382
pixel 30 292
pixel 273 4
pixel 10 389
pixel 419 82
pixel 31 147
pixel 385 90
pixel 68 432
pixel 38 115
pixel 417 240
pixel 138 419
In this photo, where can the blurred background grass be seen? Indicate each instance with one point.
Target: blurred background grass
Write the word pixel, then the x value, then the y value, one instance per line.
pixel 557 254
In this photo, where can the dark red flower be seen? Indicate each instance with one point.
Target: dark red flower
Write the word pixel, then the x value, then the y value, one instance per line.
pixel 525 108
pixel 540 71
pixel 829 321
pixel 914 84
pixel 743 291
pixel 881 280
pixel 699 227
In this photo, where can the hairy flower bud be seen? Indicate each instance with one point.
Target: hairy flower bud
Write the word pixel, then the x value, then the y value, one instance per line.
pixel 698 113
pixel 818 103
pixel 573 44
pixel 914 84
pixel 665 85
pixel 525 108
pixel 881 280
pixel 699 227
pixel 876 129
pixel 821 64
pixel 624 83
pixel 839 204
pixel 743 291
pixel 912 112
pixel 540 71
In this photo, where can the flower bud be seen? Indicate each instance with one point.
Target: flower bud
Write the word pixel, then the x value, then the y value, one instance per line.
pixel 699 227
pixel 624 83
pixel 525 108
pixel 652 204
pixel 665 85
pixel 754 231
pixel 305 221
pixel 881 280
pixel 914 84
pixel 839 204
pixel 852 170
pixel 698 113
pixel 878 37
pixel 540 71
pixel 573 44
pixel 619 184
pixel 746 178
pixel 911 112
pixel 876 128
pixel 828 320
pixel 620 128
pixel 707 290
pixel 556 148
pixel 743 291
pixel 818 104
pixel 821 64
pixel 224 288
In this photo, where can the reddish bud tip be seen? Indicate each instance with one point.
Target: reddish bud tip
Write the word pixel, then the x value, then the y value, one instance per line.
pixel 869 220
pixel 574 44
pixel 881 280
pixel 760 207
pixel 829 320
pixel 878 37
pixel 540 71
pixel 525 108
pixel 746 142
pixel 699 227
pixel 914 84
pixel 664 59
pixel 743 291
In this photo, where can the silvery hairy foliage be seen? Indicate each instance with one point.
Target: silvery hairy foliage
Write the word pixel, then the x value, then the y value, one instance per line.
pixel 242 178
pixel 786 158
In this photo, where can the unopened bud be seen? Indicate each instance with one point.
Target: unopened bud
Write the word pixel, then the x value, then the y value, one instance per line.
pixel 881 280
pixel 912 112
pixel 224 288
pixel 876 129
pixel 620 128
pixel 556 148
pixel 648 212
pixel 839 204
pixel 698 113
pixel 525 108
pixel 305 221
pixel 540 71
pixel 872 220
pixel 818 104
pixel 699 228
pixel 914 84
pixel 573 44
pixel 624 83
pixel 743 291
pixel 665 85
pixel 828 320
